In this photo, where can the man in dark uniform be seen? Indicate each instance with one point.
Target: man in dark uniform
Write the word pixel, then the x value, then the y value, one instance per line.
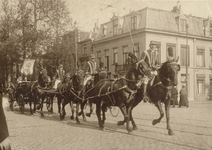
pixel 4 134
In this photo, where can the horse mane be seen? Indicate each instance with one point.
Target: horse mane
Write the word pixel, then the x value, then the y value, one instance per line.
pixel 163 66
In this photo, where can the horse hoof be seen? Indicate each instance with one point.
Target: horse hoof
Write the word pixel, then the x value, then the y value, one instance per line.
pixel 84 119
pixel 42 115
pixel 72 117
pixel 135 128
pixel 78 122
pixel 102 128
pixel 171 132
pixel 119 123
pixel 130 131
pixel 88 115
pixel 61 117
pixel 154 122
pixel 80 113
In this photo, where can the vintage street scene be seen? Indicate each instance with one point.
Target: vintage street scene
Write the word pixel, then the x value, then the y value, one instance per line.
pixel 105 75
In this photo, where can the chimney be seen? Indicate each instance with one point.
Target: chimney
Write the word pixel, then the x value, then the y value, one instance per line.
pixel 177 8
pixel 95 29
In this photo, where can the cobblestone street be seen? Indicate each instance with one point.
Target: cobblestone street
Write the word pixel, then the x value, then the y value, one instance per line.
pixel 192 128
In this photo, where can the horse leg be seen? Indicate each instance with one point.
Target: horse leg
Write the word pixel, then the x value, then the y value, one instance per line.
pixel 41 106
pixel 128 118
pixel 104 107
pixel 98 113
pixel 167 109
pixel 158 105
pixel 82 110
pixel 51 102
pixel 63 112
pixel 72 110
pixel 91 109
pixel 35 103
pixel 119 123
pixel 77 111
pixel 133 122
pixel 59 100
pixel 30 105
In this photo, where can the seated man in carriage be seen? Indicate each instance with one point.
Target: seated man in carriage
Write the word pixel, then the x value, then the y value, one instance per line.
pixel 60 76
pixel 150 56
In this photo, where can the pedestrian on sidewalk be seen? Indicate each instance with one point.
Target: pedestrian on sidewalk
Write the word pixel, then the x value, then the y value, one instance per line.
pixel 174 96
pixel 183 97
pixel 4 134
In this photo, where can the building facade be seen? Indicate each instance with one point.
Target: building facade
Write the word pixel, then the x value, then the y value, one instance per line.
pixel 134 31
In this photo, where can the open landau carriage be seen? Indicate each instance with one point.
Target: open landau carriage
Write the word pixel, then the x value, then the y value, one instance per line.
pixel 22 91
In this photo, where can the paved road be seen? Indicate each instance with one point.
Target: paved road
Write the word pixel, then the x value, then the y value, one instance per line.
pixel 192 127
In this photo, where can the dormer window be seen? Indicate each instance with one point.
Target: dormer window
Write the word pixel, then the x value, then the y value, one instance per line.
pixel 104 30
pixel 210 28
pixel 183 23
pixel 134 23
pixel 115 27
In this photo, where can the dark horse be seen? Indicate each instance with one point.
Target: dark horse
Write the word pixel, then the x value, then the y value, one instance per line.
pixel 166 78
pixel 120 92
pixel 102 75
pixel 127 98
pixel 75 88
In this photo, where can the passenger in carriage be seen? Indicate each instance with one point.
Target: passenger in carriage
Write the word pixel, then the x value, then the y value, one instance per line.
pixel 60 75
pixel 150 56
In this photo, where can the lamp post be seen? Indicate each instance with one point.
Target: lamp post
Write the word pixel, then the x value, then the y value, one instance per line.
pixel 187 60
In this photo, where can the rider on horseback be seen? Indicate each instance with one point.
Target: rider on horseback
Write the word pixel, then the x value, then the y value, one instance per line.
pixel 150 56
pixel 90 69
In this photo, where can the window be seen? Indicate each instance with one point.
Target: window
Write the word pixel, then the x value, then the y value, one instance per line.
pixel 200 86
pixel 134 23
pixel 99 58
pixel 84 49
pixel 183 56
pixel 173 53
pixel 125 54
pixel 107 60
pixel 210 61
pixel 200 58
pixel 210 85
pixel 183 25
pixel 210 28
pixel 158 46
pixel 104 30
pixel 136 50
pixel 115 55
pixel 115 27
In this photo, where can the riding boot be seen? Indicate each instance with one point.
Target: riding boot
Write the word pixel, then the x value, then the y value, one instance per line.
pixel 145 97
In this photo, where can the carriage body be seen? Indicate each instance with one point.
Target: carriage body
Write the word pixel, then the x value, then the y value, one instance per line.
pixel 19 92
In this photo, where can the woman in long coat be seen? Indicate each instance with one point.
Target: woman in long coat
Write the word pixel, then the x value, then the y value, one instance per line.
pixel 183 97
pixel 174 96
pixel 4 134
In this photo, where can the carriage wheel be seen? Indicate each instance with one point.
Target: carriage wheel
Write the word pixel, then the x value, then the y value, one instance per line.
pixel 21 103
pixel 11 101
pixel 114 111
pixel 48 104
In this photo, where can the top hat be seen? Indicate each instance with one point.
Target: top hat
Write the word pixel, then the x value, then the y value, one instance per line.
pixel 152 43
pixel 92 56
pixel 60 66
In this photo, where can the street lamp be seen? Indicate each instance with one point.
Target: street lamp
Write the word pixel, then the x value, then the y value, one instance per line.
pixel 187 60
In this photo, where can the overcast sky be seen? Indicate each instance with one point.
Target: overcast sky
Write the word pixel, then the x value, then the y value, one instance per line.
pixel 87 12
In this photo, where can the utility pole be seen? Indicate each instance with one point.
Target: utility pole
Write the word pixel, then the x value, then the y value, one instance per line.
pixel 187 60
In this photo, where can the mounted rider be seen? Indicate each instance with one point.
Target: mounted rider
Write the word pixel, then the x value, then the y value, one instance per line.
pixel 90 69
pixel 150 56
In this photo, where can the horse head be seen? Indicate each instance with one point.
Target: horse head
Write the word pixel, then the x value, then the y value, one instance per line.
pixel 169 71
pixel 78 80
pixel 143 69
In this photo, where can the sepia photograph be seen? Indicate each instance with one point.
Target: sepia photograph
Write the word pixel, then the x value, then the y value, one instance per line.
pixel 105 75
